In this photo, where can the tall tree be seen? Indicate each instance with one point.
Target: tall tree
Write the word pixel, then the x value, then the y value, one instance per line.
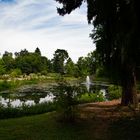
pixel 116 35
pixel 60 57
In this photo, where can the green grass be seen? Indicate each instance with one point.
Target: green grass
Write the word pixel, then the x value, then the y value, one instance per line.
pixel 47 127
pixel 44 127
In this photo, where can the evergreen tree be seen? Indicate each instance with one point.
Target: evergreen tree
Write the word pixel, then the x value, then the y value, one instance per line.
pixel 37 51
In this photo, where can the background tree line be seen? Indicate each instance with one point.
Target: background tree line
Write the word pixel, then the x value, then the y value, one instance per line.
pixel 25 62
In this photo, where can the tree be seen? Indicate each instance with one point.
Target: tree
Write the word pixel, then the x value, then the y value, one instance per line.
pixel 8 61
pixel 60 56
pixel 22 53
pixel 116 35
pixel 23 62
pixel 92 62
pixel 45 63
pixel 2 67
pixel 28 62
pixel 70 67
pixel 37 51
pixel 82 65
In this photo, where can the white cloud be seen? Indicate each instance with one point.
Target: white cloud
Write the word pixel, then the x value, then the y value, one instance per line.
pixel 31 23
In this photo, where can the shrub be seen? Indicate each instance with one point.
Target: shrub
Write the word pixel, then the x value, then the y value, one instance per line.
pixel 88 97
pixel 114 92
pixel 66 101
pixel 10 112
pixel 44 72
pixel 15 72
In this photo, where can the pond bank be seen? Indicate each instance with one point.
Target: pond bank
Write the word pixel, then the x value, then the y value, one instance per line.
pixel 13 84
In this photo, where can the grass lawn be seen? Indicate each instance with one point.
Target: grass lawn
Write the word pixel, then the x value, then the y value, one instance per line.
pixel 99 121
pixel 44 127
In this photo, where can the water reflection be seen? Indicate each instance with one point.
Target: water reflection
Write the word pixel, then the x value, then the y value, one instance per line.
pixel 48 98
pixel 32 98
pixel 18 101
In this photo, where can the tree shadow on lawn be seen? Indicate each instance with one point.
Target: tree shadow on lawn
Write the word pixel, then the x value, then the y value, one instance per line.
pixel 125 129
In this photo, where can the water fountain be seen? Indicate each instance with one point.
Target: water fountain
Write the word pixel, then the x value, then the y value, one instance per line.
pixel 88 83
pixel 88 80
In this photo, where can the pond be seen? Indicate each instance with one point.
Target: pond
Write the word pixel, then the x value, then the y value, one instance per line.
pixel 18 100
pixel 36 94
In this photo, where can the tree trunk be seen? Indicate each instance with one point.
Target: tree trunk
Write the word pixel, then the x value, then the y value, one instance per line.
pixel 129 94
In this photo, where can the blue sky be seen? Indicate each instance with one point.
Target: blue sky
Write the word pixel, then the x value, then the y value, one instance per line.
pixel 35 23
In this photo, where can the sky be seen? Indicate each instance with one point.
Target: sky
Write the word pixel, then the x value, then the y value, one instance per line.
pixel 35 23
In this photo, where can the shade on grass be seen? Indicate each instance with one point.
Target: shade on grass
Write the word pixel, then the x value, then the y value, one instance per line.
pixel 43 127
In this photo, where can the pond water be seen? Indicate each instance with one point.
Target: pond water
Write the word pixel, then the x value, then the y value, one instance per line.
pixel 18 100
pixel 32 95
